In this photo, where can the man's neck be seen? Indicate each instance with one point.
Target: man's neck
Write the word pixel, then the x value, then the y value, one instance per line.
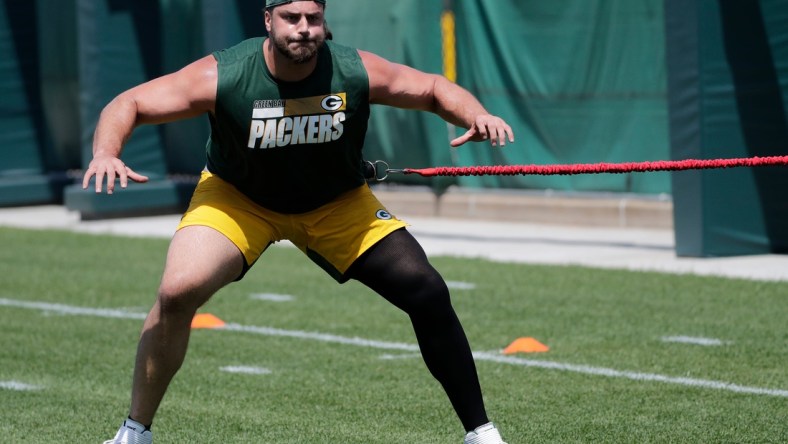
pixel 282 68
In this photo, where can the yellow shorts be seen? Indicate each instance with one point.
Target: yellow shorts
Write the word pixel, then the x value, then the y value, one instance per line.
pixel 333 236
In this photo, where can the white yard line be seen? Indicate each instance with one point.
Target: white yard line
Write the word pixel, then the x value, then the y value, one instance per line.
pixel 637 376
pixel 272 297
pixel 460 285
pixel 385 345
pixel 18 386
pixel 391 357
pixel 245 369
pixel 694 340
pixel 322 337
pixel 72 310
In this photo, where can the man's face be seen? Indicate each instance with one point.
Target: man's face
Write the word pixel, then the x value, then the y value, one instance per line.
pixel 297 29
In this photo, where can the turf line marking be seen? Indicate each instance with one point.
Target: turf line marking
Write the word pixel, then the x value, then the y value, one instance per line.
pixel 245 369
pixel 72 310
pixel 323 337
pixel 390 357
pixel 272 297
pixel 694 340
pixel 637 376
pixel 459 285
pixel 18 386
pixel 361 342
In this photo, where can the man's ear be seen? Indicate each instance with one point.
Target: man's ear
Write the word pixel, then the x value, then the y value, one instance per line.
pixel 267 19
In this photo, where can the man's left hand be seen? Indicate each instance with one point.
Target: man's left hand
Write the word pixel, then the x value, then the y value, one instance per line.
pixel 487 127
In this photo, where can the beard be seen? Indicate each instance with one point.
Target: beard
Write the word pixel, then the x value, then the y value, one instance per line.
pixel 306 51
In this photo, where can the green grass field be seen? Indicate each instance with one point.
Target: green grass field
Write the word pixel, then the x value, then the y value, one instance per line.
pixel 609 376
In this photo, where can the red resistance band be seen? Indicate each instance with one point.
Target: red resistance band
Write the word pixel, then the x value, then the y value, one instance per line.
pixel 595 168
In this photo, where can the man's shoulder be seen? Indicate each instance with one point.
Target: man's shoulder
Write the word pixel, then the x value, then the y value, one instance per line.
pixel 240 51
pixel 340 49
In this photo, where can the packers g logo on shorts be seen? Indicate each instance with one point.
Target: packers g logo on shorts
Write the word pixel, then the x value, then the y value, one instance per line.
pixel 383 215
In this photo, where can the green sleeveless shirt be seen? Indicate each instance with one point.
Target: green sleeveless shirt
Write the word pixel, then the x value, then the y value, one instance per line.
pixel 289 146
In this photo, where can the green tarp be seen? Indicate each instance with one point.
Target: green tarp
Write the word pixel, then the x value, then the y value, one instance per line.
pixel 728 63
pixel 579 81
pixel 31 169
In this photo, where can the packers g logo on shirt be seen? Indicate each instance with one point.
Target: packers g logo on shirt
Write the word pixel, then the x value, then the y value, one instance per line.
pixel 332 103
pixel 383 215
pixel 284 122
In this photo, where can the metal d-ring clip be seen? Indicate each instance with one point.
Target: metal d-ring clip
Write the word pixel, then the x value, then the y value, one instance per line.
pixel 378 170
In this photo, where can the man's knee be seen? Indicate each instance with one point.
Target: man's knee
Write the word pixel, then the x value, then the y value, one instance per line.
pixel 430 293
pixel 179 297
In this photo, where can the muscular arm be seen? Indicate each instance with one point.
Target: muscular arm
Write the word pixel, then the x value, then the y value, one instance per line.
pixel 404 87
pixel 180 95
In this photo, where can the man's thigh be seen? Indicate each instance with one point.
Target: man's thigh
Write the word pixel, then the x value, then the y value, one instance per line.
pixel 200 261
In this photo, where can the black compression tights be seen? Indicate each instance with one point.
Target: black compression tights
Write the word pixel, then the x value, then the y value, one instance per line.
pixel 397 269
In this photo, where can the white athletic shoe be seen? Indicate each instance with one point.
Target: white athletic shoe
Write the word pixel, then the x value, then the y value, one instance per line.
pixel 132 432
pixel 485 434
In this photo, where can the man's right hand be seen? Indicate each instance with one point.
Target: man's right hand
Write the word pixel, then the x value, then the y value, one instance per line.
pixel 110 167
